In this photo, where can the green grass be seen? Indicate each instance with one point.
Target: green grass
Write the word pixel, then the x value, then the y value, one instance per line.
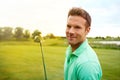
pixel 110 61
pixel 22 61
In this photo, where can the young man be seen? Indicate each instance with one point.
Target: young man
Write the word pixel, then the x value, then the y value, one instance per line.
pixel 81 61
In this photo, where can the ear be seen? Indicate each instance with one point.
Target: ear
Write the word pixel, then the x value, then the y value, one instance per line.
pixel 87 30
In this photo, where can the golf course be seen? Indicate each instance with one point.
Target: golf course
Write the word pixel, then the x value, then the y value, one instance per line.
pixel 22 60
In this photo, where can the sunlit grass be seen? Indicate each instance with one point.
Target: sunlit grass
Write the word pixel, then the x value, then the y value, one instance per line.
pixel 110 61
pixel 22 61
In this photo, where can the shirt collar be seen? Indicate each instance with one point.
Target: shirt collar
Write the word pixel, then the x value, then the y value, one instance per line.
pixel 80 49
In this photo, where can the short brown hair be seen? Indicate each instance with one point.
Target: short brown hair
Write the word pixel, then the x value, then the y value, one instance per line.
pixel 75 11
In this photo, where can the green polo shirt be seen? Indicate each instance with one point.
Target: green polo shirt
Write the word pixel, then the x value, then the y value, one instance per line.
pixel 82 64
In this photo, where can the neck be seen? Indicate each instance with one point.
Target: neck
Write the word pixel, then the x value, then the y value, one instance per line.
pixel 75 46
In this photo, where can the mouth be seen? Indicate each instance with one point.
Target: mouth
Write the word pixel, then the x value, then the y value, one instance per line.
pixel 71 37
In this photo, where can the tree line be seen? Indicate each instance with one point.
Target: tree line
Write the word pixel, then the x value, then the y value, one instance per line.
pixel 19 33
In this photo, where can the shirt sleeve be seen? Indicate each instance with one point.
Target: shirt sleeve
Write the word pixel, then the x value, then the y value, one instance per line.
pixel 88 71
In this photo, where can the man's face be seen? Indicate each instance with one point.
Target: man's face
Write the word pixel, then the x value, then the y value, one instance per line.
pixel 76 30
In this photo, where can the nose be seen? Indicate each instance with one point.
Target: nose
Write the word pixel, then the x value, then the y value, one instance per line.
pixel 71 30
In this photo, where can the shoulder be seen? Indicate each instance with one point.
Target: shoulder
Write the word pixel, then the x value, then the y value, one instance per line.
pixel 89 71
pixel 87 55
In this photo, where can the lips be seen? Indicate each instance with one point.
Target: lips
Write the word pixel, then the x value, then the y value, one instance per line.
pixel 71 37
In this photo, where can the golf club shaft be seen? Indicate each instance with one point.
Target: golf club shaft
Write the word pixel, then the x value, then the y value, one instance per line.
pixel 43 61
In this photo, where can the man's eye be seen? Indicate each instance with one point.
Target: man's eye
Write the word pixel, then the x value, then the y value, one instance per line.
pixel 77 27
pixel 68 26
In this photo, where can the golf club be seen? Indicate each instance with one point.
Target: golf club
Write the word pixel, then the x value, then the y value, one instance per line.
pixel 38 39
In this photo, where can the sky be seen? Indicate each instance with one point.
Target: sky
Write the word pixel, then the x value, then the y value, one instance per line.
pixel 50 16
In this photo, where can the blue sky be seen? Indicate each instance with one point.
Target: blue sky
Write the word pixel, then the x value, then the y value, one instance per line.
pixel 105 16
pixel 49 16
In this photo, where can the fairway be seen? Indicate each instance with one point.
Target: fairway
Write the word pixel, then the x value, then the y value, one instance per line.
pixel 22 61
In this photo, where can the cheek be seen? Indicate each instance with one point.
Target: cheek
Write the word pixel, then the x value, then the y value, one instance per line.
pixel 67 31
pixel 80 34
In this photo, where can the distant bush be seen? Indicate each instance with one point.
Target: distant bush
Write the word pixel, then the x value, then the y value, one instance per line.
pixel 105 46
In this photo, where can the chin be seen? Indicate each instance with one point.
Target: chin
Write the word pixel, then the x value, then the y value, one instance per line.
pixel 72 43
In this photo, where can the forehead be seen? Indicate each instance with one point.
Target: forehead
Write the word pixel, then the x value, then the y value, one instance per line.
pixel 76 20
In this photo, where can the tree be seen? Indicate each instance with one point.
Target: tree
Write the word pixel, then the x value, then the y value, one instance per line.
pixel 108 38
pixel 36 33
pixel 1 33
pixel 50 36
pixel 18 33
pixel 6 33
pixel 26 34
